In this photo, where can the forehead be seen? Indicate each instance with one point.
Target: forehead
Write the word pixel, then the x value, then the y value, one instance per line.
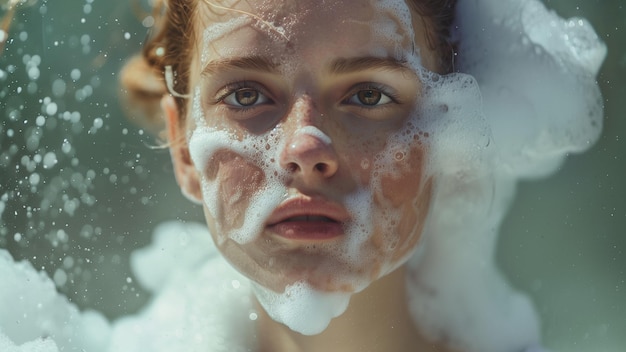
pixel 229 28
pixel 292 12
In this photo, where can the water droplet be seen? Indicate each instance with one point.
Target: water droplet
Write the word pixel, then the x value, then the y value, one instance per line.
pixel 51 109
pixel 148 21
pixel 66 147
pixel 60 277
pixel 97 123
pixel 40 121
pixel 75 74
pixel 34 179
pixel 58 87
pixel 49 160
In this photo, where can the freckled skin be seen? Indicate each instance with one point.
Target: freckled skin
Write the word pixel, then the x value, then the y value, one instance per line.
pixel 303 95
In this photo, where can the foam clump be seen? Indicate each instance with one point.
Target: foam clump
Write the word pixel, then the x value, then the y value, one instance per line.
pixel 175 248
pixel 540 100
pixel 202 303
pixel 536 72
pixel 302 308
pixel 39 345
pixel 34 317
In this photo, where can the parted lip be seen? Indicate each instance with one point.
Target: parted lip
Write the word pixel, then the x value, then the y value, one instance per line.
pixel 308 209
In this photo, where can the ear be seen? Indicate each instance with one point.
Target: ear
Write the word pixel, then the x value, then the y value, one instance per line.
pixel 186 173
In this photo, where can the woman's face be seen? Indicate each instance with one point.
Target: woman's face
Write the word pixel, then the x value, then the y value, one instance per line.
pixel 304 136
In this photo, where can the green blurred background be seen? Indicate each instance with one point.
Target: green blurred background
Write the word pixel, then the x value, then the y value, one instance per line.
pixel 101 187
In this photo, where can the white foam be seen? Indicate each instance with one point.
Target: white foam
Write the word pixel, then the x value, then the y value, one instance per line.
pixel 41 320
pixel 359 205
pixel 38 345
pixel 315 132
pixel 203 145
pixel 202 303
pixel 218 30
pixel 540 101
pixel 301 307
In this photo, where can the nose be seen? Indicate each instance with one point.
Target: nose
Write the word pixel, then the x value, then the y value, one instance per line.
pixel 309 153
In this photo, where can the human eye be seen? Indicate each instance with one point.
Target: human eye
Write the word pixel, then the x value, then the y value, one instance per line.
pixel 370 95
pixel 243 95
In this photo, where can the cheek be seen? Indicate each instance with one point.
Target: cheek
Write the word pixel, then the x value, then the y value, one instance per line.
pixel 403 183
pixel 406 190
pixel 237 182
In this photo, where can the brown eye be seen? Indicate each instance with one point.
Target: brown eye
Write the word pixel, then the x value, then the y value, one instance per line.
pixel 246 96
pixel 369 96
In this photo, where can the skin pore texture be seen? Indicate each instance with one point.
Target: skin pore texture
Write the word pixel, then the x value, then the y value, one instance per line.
pixel 305 145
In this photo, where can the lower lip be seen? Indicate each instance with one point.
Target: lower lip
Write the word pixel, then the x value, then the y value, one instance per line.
pixel 307 230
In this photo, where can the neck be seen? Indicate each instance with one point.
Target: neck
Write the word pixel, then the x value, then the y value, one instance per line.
pixel 377 319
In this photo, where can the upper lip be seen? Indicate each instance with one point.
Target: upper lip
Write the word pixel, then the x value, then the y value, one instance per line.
pixel 305 207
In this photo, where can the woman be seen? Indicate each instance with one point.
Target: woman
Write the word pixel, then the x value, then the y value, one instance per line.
pixel 294 143
pixel 327 150
pixel 317 138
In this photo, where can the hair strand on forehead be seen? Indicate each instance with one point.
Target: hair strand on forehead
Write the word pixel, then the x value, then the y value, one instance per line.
pixel 256 17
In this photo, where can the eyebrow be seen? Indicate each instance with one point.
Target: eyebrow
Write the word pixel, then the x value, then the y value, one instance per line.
pixel 351 65
pixel 253 63
pixel 337 66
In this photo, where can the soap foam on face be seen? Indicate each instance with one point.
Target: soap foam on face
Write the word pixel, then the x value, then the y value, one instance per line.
pixel 315 132
pixel 205 142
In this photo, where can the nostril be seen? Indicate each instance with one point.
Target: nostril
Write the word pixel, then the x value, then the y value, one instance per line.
pixel 309 156
pixel 292 167
pixel 321 167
